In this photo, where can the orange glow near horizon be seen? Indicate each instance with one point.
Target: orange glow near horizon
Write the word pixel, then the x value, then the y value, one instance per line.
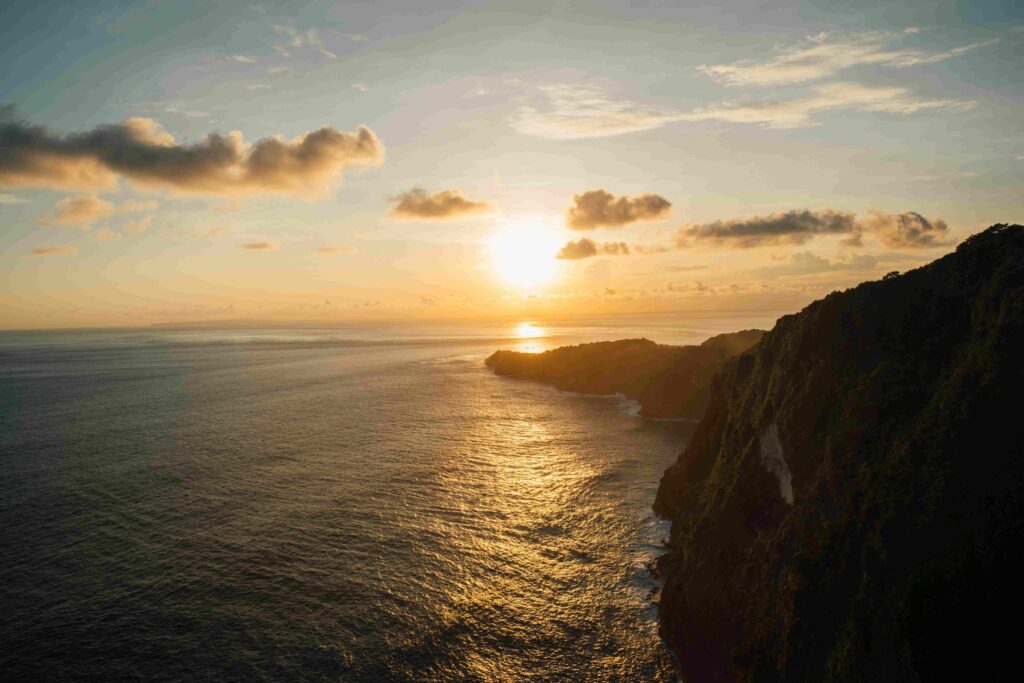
pixel 530 334
pixel 528 330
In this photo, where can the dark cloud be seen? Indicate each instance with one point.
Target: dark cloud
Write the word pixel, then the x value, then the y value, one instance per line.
pixel 54 251
pixel 418 204
pixel 259 246
pixel 907 230
pixel 585 248
pixel 790 227
pixel 598 209
pixel 139 150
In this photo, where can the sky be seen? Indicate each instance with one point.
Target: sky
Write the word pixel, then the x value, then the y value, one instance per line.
pixel 166 162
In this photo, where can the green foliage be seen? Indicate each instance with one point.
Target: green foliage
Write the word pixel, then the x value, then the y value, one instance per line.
pixel 896 405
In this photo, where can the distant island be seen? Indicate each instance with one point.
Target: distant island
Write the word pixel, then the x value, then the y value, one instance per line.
pixel 851 507
pixel 667 381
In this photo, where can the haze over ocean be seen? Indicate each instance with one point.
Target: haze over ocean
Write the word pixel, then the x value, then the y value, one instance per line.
pixel 366 502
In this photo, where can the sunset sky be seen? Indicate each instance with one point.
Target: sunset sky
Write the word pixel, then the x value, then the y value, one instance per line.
pixel 198 161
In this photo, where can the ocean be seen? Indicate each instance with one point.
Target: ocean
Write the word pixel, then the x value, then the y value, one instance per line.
pixel 362 502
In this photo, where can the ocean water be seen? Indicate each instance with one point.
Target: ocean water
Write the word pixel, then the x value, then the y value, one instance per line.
pixel 331 503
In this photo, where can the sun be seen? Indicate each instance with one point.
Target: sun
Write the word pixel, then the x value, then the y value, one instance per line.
pixel 524 255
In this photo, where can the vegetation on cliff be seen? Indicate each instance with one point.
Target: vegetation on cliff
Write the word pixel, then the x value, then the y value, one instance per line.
pixel 667 381
pixel 851 507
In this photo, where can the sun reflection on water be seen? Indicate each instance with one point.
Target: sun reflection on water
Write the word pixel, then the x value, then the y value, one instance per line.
pixel 529 331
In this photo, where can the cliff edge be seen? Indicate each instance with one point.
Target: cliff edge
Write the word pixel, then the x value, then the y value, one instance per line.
pixel 667 381
pixel 851 507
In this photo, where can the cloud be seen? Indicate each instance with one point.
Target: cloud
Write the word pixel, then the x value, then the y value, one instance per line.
pixel 79 212
pixel 806 263
pixel 293 38
pixel 574 112
pixel 138 226
pixel 54 251
pixel 651 248
pixel 578 112
pixel 797 113
pixel 139 150
pixel 598 208
pixel 585 248
pixel 259 246
pixel 826 54
pixel 134 206
pixel 418 204
pixel 11 199
pixel 332 251
pixel 789 227
pixel 243 59
pixel 909 229
pixel 105 234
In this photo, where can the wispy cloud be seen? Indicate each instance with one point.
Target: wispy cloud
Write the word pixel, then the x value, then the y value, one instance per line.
pixel 54 251
pixel 138 226
pixel 827 54
pixel 11 199
pixel 293 38
pixel 78 212
pixel 600 209
pixel 580 112
pixel 335 251
pixel 258 246
pixel 141 151
pixel 137 205
pixel 806 263
pixel 243 59
pixel 105 234
pixel 418 204
pixel 800 112
pixel 586 248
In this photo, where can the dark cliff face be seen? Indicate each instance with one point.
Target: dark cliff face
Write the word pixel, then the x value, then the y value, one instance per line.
pixel 851 507
pixel 668 381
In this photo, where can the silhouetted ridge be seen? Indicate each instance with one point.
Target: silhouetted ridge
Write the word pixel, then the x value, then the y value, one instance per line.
pixel 667 381
pixel 851 507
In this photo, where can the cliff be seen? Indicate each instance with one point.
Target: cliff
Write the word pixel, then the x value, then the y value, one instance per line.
pixel 667 381
pixel 851 507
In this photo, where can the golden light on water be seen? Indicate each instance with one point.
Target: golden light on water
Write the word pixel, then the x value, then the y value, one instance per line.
pixel 531 334
pixel 529 331
pixel 524 255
